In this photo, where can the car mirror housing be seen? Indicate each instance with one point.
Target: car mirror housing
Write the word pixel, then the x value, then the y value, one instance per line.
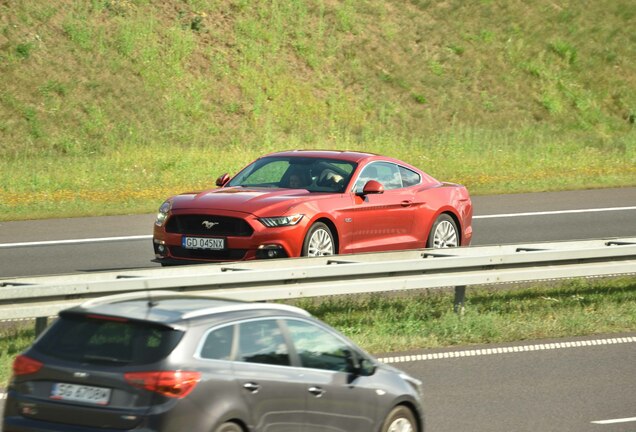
pixel 372 187
pixel 357 365
pixel 222 180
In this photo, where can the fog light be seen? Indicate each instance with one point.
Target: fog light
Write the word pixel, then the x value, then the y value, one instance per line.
pixel 270 251
pixel 28 410
pixel 161 250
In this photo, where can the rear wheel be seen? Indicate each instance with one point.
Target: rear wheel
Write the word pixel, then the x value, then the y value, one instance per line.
pixel 319 241
pixel 229 427
pixel 444 233
pixel 401 419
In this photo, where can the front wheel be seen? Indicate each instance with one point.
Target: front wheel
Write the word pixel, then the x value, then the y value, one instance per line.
pixel 444 233
pixel 319 241
pixel 401 419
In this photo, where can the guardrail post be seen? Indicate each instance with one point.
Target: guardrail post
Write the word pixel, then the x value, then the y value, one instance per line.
pixel 40 325
pixel 460 296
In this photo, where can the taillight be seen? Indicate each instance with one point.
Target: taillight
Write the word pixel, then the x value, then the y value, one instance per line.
pixel 174 384
pixel 23 365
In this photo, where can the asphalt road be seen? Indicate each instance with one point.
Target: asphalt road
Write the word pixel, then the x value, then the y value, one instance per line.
pixel 123 242
pixel 546 386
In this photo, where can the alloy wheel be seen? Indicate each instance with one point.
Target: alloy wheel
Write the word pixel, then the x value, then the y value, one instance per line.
pixel 320 243
pixel 401 425
pixel 445 235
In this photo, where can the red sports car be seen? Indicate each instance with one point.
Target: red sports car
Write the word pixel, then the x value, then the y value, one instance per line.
pixel 313 203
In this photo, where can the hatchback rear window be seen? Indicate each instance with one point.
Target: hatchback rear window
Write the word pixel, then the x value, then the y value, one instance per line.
pixel 100 340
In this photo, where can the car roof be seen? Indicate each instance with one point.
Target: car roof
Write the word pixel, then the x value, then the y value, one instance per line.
pixel 172 308
pixel 349 156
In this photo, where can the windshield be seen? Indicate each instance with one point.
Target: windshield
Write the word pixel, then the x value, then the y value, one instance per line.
pixel 312 174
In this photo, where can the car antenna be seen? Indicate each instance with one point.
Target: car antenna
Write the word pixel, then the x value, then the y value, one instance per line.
pixel 151 302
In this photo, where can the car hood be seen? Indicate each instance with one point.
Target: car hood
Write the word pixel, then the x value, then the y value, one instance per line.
pixel 256 201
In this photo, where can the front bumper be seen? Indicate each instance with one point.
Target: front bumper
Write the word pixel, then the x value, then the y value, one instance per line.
pixel 262 243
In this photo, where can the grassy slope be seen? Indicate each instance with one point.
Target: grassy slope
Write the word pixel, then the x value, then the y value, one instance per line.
pixel 126 101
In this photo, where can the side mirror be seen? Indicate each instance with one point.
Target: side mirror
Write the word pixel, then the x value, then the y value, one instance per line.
pixel 222 180
pixel 367 367
pixel 372 187
pixel 358 365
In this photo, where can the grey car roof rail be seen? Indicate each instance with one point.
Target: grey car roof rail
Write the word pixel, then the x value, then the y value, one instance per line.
pixel 245 306
pixel 159 294
pixel 135 295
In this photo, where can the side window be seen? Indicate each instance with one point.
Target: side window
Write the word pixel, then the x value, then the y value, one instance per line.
pixel 384 172
pixel 369 172
pixel 262 342
pixel 318 348
pixel 390 176
pixel 218 344
pixel 409 178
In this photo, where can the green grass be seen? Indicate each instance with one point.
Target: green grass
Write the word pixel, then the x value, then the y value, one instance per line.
pixel 131 179
pixel 426 320
pixel 14 338
pixel 107 106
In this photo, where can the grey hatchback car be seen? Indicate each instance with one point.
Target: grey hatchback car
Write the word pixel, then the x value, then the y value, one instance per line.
pixel 161 361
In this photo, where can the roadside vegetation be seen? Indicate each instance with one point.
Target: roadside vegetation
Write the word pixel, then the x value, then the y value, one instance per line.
pixel 108 106
pixel 382 324
pixel 427 320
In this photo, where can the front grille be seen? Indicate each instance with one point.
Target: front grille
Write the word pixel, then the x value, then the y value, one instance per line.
pixel 226 254
pixel 208 226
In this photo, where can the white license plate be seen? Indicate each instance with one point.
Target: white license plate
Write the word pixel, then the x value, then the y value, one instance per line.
pixel 80 393
pixel 203 243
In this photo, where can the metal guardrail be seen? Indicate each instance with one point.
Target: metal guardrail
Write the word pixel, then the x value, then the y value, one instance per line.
pixel 335 275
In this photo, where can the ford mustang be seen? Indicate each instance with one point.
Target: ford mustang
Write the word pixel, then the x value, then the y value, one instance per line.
pixel 313 203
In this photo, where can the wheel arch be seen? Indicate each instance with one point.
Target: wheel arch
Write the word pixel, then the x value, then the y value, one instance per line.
pixel 458 223
pixel 417 413
pixel 332 227
pixel 451 213
pixel 411 406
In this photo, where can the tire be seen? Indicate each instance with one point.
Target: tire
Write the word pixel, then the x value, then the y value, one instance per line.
pixel 229 427
pixel 444 233
pixel 401 419
pixel 319 241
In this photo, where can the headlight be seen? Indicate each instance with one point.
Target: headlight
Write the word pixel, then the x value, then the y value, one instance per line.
pixel 163 213
pixel 415 383
pixel 280 221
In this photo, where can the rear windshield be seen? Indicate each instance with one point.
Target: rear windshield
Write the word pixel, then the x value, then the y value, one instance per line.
pixel 97 340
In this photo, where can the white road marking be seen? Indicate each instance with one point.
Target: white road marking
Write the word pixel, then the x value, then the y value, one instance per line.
pixel 75 241
pixel 555 212
pixel 506 350
pixel 147 237
pixel 613 421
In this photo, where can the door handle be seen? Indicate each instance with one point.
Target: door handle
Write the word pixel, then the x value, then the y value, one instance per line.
pixel 316 391
pixel 252 387
pixel 406 203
